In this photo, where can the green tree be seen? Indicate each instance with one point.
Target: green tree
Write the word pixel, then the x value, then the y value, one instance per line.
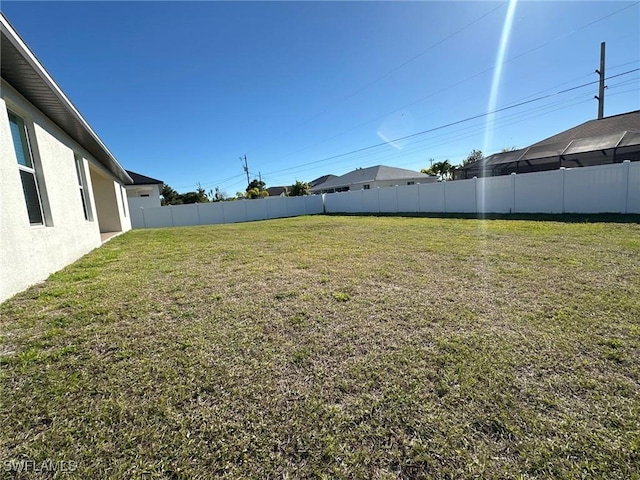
pixel 217 195
pixel 170 196
pixel 299 189
pixel 202 195
pixel 256 193
pixel 259 184
pixel 256 189
pixel 428 171
pixel 474 156
pixel 443 170
pixel 189 197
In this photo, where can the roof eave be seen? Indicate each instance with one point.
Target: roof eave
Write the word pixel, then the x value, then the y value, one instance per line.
pixel 42 91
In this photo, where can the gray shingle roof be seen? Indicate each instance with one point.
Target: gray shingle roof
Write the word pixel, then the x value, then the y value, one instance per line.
pixel 625 122
pixel 277 191
pixel 139 179
pixel 320 180
pixel 372 174
pixel 609 132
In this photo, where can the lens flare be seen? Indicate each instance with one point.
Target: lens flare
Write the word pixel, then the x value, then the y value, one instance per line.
pixel 495 84
pixel 396 125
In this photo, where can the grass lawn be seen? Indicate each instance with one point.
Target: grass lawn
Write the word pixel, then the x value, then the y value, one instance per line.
pixel 332 347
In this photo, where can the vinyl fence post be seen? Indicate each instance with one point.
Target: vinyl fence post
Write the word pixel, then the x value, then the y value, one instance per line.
pixel 513 187
pixel 444 196
pixel 475 190
pixel 562 172
pixel 397 200
pixel 626 165
pixel 171 210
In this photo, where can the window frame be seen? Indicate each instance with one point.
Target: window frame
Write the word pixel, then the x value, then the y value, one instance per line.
pixel 124 201
pixel 82 185
pixel 26 146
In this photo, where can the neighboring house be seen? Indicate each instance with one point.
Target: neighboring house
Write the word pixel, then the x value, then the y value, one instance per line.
pixel 372 177
pixel 596 142
pixel 320 180
pixel 61 190
pixel 277 191
pixel 145 191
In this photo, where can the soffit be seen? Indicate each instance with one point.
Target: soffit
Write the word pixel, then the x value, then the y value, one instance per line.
pixel 22 71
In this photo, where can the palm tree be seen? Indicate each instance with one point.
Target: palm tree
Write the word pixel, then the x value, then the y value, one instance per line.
pixel 444 170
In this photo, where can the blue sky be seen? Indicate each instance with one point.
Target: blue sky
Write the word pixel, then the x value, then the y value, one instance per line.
pixel 180 90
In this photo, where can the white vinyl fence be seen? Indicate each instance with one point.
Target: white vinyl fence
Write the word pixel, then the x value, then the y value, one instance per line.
pixel 225 212
pixel 600 189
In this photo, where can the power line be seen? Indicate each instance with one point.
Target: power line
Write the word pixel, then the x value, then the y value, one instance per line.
pixel 421 53
pixel 380 156
pixel 210 184
pixel 479 128
pixel 625 91
pixel 356 162
pixel 452 86
pixel 475 129
pixel 623 64
pixel 450 124
pixel 482 72
pixel 396 68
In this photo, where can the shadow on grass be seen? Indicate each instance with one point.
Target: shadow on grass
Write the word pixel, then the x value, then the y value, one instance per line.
pixel 540 217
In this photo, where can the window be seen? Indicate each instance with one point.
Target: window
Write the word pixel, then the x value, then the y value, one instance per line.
pixel 124 203
pixel 411 183
pixel 81 186
pixel 366 187
pixel 144 194
pixel 27 171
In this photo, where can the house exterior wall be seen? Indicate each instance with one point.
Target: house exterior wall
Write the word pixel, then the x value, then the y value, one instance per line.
pixel 377 184
pixel 106 192
pixel 400 183
pixel 136 200
pixel 29 254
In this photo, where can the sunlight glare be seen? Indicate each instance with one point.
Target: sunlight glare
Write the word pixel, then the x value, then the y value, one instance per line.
pixel 495 83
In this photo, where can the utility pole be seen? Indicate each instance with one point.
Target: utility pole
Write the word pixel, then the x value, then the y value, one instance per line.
pixel 260 176
pixel 600 96
pixel 245 167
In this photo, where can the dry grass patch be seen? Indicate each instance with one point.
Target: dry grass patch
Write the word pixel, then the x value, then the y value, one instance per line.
pixel 333 347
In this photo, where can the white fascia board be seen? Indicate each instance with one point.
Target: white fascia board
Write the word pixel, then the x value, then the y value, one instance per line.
pixel 39 69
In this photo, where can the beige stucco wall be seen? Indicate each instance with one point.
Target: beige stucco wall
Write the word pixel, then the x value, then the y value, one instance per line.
pixel 29 254
pixel 106 198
